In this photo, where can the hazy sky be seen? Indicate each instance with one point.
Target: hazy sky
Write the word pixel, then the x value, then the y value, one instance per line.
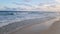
pixel 30 5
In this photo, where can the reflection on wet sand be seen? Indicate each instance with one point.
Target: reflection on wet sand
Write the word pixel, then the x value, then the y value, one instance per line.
pixel 54 29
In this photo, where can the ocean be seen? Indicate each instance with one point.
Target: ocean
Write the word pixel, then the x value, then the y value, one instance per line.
pixel 10 20
pixel 11 16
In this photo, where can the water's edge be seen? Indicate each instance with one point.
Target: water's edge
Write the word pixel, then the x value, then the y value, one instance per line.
pixel 17 25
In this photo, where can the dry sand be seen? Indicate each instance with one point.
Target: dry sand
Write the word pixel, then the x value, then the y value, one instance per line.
pixel 54 29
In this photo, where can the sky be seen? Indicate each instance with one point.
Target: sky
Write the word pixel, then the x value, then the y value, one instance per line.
pixel 29 5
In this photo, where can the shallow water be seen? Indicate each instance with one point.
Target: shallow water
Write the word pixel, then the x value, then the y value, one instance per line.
pixel 22 19
pixel 13 16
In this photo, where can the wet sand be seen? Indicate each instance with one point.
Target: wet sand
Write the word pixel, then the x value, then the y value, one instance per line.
pixel 54 29
pixel 35 29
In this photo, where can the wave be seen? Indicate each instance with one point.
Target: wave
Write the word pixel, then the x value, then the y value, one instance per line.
pixel 19 19
pixel 18 16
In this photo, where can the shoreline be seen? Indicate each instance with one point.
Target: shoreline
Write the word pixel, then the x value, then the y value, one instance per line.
pixel 18 25
pixel 12 27
pixel 34 29
pixel 54 29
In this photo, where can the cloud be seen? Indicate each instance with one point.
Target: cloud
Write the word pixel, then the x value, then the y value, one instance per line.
pixel 22 4
pixel 27 7
pixel 34 8
pixel 58 1
pixel 27 0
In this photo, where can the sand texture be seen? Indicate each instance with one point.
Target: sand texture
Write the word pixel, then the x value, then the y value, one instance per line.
pixel 49 27
pixel 54 29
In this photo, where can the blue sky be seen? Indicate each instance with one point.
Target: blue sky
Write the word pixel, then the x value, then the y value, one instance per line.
pixel 30 5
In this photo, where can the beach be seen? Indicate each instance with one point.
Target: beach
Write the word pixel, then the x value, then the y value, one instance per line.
pixel 37 29
pixel 27 22
pixel 54 29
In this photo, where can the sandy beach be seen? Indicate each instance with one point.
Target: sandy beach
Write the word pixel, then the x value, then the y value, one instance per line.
pixel 37 29
pixel 54 29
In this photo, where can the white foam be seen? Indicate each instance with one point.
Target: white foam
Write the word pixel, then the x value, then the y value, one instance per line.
pixel 24 16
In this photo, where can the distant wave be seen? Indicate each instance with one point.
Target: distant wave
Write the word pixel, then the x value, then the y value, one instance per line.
pixel 6 13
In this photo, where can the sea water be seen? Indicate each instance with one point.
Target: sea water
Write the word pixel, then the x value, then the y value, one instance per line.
pixel 11 21
pixel 15 16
